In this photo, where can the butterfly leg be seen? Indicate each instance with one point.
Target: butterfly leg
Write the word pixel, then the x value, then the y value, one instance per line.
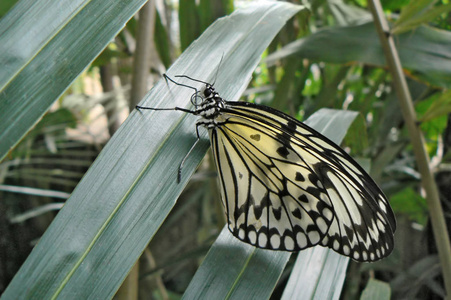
pixel 179 173
pixel 139 108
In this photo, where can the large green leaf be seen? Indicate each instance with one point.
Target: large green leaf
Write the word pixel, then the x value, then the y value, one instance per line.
pixel 235 270
pixel 44 46
pixel 131 187
pixel 424 52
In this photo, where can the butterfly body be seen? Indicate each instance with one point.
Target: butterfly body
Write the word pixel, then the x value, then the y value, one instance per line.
pixel 284 186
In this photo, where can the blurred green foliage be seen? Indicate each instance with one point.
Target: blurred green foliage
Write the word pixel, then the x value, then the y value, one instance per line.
pixel 308 67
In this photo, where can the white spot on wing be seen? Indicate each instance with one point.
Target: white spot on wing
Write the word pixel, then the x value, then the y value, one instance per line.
pixel 321 225
pixel 241 233
pixel 327 213
pixel 364 255
pixel 314 237
pixel 380 226
pixel 275 241
pixel 252 237
pixel 262 239
pixel 382 206
pixel 301 240
pixel 346 250
pixel 289 243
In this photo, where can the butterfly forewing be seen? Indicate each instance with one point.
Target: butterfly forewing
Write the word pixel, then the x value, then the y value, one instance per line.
pixel 286 187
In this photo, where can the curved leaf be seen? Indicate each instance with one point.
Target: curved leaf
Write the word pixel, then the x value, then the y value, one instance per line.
pixel 425 51
pixel 44 46
pixel 127 193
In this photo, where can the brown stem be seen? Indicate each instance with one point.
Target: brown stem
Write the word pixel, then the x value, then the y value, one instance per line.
pixel 416 137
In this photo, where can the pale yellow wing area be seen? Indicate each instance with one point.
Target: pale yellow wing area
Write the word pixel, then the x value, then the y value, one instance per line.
pixel 286 187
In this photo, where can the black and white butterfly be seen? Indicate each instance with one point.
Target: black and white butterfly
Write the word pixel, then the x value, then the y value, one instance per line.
pixel 284 186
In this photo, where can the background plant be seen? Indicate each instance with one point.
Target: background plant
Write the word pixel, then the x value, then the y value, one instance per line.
pixel 328 59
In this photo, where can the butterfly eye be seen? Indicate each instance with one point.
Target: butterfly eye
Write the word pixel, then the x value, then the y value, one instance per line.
pixel 207 92
pixel 196 99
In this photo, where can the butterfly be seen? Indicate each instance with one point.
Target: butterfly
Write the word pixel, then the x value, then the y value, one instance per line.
pixel 284 186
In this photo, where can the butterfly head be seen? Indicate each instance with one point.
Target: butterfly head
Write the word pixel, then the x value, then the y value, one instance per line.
pixel 207 102
pixel 207 96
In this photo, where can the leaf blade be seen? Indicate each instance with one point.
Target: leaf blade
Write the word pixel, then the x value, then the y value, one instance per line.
pixel 131 187
pixel 40 67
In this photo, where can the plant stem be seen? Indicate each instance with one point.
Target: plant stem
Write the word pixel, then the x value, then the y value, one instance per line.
pixel 432 196
pixel 141 58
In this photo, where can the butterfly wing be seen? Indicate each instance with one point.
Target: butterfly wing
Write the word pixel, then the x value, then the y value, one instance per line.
pixel 284 186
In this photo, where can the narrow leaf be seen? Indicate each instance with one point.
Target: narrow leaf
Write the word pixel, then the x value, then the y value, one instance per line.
pixel 44 46
pixel 129 190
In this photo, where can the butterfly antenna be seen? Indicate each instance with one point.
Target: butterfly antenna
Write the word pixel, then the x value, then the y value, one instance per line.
pixel 179 173
pixel 166 77
pixel 217 70
pixel 197 80
pixel 193 79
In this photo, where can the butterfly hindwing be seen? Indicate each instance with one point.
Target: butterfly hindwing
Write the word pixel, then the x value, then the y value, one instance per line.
pixel 286 187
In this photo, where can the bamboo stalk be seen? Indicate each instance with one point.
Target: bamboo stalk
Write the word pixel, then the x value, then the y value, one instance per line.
pixel 141 57
pixel 416 137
